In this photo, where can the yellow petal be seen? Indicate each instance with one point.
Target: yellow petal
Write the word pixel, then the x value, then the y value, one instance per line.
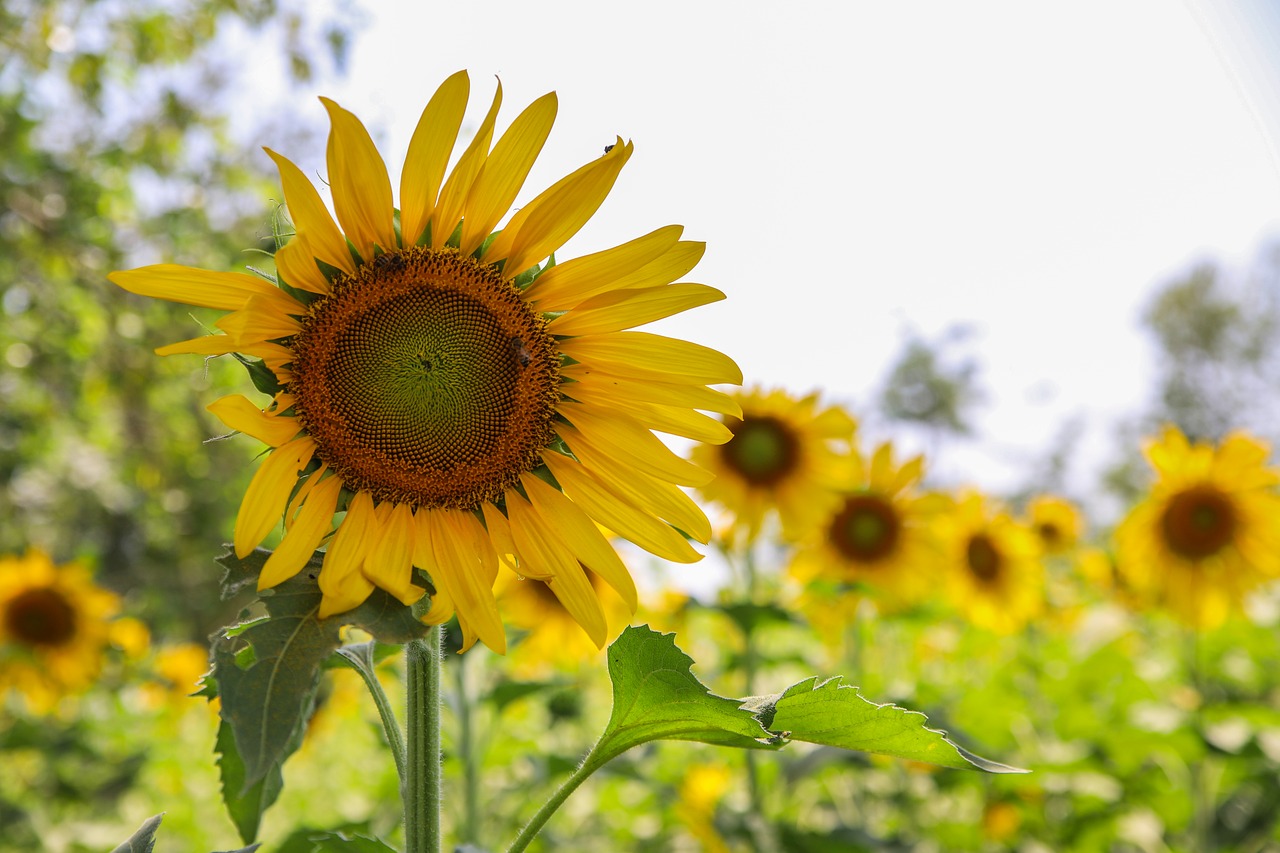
pixel 547 222
pixel 190 286
pixel 580 533
pixel 268 492
pixel 505 547
pixel 429 149
pixel 624 309
pixel 565 285
pixel 258 321
pixel 240 414
pixel 310 526
pixel 662 393
pixel 359 183
pixel 457 187
pixel 542 545
pixel 675 263
pixel 643 355
pixel 204 345
pixel 311 218
pixel 662 499
pixel 623 438
pixel 467 581
pixel 296 265
pixel 617 512
pixel 673 420
pixel 390 561
pixel 342 583
pixel 505 170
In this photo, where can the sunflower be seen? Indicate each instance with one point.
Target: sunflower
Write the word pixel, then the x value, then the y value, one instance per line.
pixel 54 628
pixel 785 454
pixel 554 640
pixel 1208 533
pixel 880 536
pixel 995 575
pixel 1056 522
pixel 461 404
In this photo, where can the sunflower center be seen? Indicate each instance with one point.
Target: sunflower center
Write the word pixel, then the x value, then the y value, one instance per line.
pixel 866 529
pixel 763 450
pixel 983 557
pixel 1198 522
pixel 1050 534
pixel 424 378
pixel 40 617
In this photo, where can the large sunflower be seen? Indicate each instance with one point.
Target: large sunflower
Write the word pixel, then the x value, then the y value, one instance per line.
pixel 463 405
pixel 995 572
pixel 785 454
pixel 1208 532
pixel 54 627
pixel 880 535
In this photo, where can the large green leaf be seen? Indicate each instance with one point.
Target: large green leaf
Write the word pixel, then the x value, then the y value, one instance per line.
pixel 268 670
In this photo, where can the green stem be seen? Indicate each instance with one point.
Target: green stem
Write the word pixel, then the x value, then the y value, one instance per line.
pixel 589 765
pixel 467 754
pixel 423 773
pixel 389 724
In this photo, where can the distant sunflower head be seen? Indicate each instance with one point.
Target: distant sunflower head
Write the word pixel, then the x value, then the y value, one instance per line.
pixel 1056 522
pixel 1208 532
pixel 553 642
pixel 784 455
pixel 448 393
pixel 995 575
pixel 879 536
pixel 55 625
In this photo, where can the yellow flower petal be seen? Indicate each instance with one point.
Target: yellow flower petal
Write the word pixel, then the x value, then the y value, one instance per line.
pixel 643 355
pixel 663 393
pixel 310 216
pixel 190 286
pixel 465 579
pixel 673 420
pixel 625 439
pixel 241 415
pixel 359 183
pixel 428 157
pixel 204 345
pixel 505 170
pixel 457 187
pixel 547 222
pixel 565 285
pixel 390 561
pixel 343 585
pixel 505 547
pixel 296 265
pixel 624 309
pixel 257 322
pixel 543 545
pixel 582 536
pixel 310 526
pixel 268 492
pixel 617 512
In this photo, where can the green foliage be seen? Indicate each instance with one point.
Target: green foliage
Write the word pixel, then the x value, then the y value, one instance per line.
pixel 142 841
pixel 932 387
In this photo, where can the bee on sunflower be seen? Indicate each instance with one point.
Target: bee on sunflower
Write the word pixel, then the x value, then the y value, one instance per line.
pixel 1208 532
pixel 447 396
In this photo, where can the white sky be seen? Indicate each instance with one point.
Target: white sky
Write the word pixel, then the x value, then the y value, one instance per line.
pixel 859 167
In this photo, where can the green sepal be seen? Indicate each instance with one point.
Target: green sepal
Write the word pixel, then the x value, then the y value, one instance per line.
pixel 262 377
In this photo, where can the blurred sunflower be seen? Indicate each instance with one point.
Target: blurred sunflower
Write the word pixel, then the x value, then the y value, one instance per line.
pixel 554 640
pixel 461 404
pixel 880 536
pixel 55 625
pixel 1208 532
pixel 785 454
pixel 1057 522
pixel 996 577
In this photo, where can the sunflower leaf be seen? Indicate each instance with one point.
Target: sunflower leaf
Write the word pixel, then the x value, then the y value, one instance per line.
pixel 144 839
pixel 267 671
pixel 834 714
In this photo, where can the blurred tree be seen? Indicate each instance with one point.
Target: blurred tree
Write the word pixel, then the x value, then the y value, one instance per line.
pixel 932 385
pixel 125 139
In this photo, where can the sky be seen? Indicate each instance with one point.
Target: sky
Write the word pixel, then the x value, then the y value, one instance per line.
pixel 859 170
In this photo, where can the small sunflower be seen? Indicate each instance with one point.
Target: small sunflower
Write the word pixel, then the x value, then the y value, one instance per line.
pixel 785 454
pixel 55 625
pixel 554 640
pixel 1057 522
pixel 880 535
pixel 461 404
pixel 1208 533
pixel 996 577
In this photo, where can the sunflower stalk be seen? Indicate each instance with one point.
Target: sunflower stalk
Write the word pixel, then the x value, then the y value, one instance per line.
pixel 424 774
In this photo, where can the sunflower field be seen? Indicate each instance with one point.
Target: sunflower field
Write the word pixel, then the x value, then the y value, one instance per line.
pixel 346 515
